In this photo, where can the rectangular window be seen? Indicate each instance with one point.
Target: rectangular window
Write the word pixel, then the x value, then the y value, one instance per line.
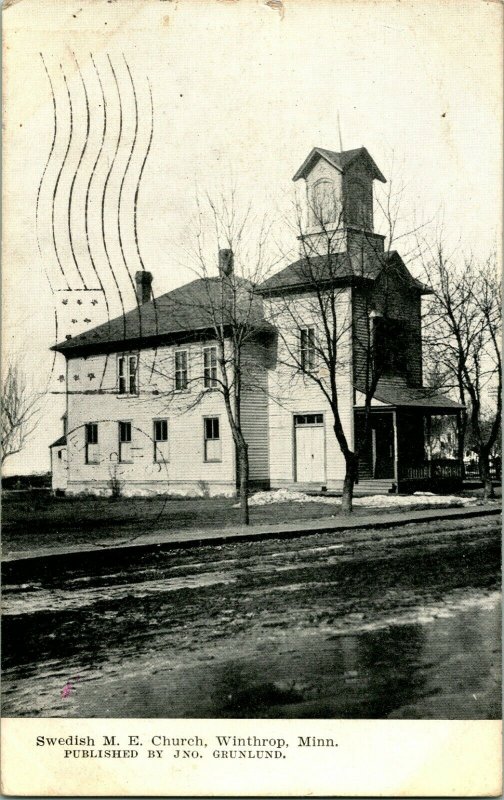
pixel 125 454
pixel 161 440
pixel 127 374
pixel 307 349
pixel 308 419
pixel 210 367
pixel 181 381
pixel 132 374
pixel 212 439
pixel 390 346
pixel 91 443
pixel 121 375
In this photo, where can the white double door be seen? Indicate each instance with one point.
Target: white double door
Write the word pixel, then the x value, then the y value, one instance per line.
pixel 310 457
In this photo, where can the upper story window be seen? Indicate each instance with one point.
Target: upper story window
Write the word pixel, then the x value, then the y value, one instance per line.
pixel 307 349
pixel 210 367
pixel 390 346
pixel 127 374
pixel 181 373
pixel 125 454
pixel 91 443
pixel 359 205
pixel 323 202
pixel 160 440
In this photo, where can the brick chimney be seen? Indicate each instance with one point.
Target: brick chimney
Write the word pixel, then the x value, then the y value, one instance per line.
pixel 226 260
pixel 143 286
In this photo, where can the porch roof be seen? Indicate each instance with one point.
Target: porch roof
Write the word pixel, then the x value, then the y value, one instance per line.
pixel 59 442
pixel 414 397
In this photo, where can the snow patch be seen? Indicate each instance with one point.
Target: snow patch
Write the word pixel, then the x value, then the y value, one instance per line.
pixel 372 501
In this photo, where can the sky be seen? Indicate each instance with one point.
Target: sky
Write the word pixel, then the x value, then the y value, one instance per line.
pixel 241 92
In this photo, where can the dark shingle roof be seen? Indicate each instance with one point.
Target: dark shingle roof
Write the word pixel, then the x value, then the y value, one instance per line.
pixel 59 442
pixel 393 394
pixel 189 308
pixel 339 267
pixel 341 161
pixel 310 271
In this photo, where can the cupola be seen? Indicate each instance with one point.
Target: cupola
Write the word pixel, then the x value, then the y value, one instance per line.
pixel 339 189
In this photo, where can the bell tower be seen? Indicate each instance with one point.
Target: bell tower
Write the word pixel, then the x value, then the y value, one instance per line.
pixel 339 198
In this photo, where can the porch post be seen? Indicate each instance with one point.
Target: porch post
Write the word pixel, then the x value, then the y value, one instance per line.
pixel 396 451
pixel 428 422
pixel 460 448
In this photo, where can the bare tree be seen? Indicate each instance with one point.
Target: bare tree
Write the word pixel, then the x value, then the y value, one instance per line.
pixel 20 410
pixel 226 250
pixel 463 334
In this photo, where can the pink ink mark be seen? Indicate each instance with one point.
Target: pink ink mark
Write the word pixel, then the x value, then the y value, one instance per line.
pixel 69 687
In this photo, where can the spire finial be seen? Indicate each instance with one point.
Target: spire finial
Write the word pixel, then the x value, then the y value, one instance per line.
pixel 339 131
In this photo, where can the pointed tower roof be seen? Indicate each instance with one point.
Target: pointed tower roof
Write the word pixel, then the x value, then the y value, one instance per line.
pixel 340 161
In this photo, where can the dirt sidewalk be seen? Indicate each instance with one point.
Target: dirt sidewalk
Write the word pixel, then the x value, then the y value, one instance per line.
pixel 218 536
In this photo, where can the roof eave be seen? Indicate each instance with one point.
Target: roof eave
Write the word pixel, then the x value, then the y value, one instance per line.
pixel 316 151
pixel 136 343
pixel 61 442
pixel 344 280
pixel 301 173
pixel 377 174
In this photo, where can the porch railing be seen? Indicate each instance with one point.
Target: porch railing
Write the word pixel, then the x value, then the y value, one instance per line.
pixel 439 468
pixel 472 470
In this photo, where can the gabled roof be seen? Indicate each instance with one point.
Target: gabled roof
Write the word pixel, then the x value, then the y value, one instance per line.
pixel 196 306
pixel 341 161
pixel 338 268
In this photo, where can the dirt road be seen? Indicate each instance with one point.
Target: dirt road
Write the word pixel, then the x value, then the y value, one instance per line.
pixel 402 623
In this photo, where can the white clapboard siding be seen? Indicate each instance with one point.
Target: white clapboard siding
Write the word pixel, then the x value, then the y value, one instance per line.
pixel 184 463
pixel 254 412
pixel 291 394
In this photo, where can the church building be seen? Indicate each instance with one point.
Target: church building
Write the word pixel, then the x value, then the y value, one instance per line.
pixel 144 411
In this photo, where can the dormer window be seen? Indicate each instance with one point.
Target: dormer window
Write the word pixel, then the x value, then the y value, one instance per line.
pixel 127 374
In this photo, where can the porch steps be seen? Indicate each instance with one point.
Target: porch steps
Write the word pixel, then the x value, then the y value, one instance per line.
pixel 366 487
pixel 376 486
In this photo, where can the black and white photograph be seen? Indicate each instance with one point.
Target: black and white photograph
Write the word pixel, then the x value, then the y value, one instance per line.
pixel 251 371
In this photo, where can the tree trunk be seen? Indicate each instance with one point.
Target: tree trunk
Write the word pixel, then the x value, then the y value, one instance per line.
pixel 484 470
pixel 351 462
pixel 243 471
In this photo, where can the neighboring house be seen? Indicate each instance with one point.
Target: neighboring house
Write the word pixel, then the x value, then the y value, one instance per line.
pixel 142 408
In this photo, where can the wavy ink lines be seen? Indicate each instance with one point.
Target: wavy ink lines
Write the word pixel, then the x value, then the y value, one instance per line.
pixel 86 211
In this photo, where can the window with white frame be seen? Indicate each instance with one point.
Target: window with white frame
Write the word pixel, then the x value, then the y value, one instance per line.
pixel 181 374
pixel 125 454
pixel 210 367
pixel 91 443
pixel 127 374
pixel 307 349
pixel 160 440
pixel 212 439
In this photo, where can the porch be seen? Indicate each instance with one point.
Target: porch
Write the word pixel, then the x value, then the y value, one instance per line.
pixel 409 442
